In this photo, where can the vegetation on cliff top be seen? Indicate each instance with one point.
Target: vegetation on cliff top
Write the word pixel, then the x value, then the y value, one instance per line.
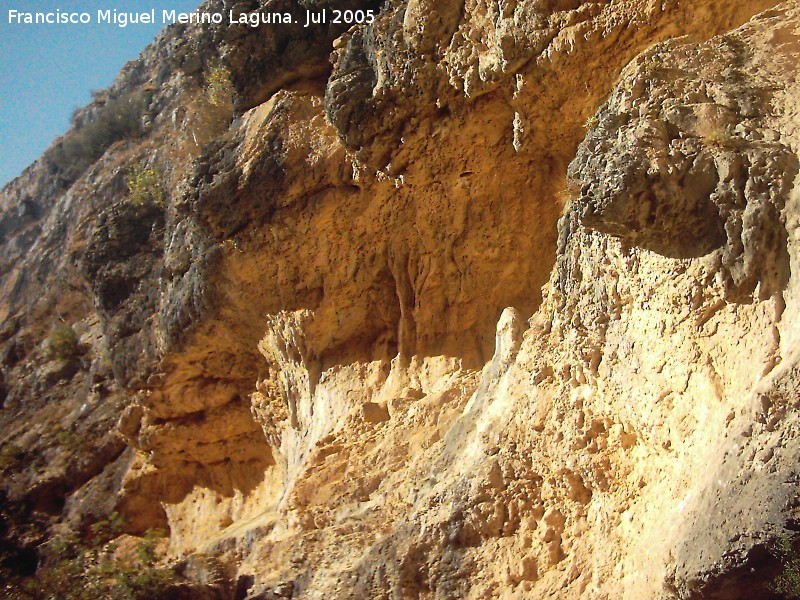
pixel 117 119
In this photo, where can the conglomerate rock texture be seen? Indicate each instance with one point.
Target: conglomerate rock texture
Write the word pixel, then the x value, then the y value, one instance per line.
pixel 479 300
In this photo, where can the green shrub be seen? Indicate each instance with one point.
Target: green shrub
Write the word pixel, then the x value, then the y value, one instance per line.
pixel 95 571
pixel 141 579
pixel 219 89
pixel 787 583
pixel 10 455
pixel 68 439
pixel 145 186
pixel 209 108
pixel 107 529
pixel 62 343
pixel 117 119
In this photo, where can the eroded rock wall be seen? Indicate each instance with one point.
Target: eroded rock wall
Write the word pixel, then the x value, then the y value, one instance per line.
pixel 398 332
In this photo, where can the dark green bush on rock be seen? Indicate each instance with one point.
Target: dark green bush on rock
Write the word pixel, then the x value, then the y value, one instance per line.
pixel 62 343
pixel 98 570
pixel 117 119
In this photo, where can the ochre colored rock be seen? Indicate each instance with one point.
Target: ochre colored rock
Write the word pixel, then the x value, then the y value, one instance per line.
pixel 500 302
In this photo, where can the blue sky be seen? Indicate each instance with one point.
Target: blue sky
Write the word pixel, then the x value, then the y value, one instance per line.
pixel 46 71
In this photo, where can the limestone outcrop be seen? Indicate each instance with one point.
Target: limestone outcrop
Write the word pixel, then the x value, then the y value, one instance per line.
pixel 480 300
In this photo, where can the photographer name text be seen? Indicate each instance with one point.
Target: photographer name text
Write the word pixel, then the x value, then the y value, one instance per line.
pixel 168 17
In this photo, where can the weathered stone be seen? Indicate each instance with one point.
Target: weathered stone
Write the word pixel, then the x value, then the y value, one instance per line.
pixel 56 371
pixel 357 354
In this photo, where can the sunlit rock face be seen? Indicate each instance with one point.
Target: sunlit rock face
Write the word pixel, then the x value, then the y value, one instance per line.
pixel 477 300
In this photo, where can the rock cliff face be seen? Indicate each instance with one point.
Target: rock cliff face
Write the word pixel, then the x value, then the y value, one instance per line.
pixel 479 300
